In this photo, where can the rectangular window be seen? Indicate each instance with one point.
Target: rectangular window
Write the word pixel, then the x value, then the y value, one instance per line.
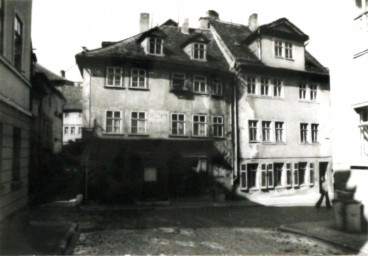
pixel 177 124
pixel 313 91
pixel 138 123
pixel 243 176
pixel 199 125
pixel 252 178
pixel 113 121
pixel 270 176
pixel 199 51
pixel 79 130
pixel 200 84
pixel 266 131
pixel 251 84
pixel 72 130
pixel 177 81
pixel 264 87
pixel 139 79
pixel 217 87
pixel 277 85
pixel 155 45
pixel 289 176
pixel 288 51
pixel 16 154
pixel 296 175
pixel 278 49
pixel 279 131
pixel 314 133
pixel 304 133
pixel 114 77
pixel 278 173
pixel 18 42
pixel 264 178
pixel 218 126
pixel 302 91
pixel 66 130
pixel 311 174
pixel 302 172
pixel 253 136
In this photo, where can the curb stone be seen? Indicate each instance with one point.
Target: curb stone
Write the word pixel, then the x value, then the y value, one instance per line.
pixel 296 231
pixel 68 239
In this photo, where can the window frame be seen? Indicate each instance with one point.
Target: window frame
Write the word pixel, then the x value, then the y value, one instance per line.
pixel 72 130
pixel 177 122
pixel 253 131
pixel 277 88
pixel 279 132
pixel 278 48
pixel 289 175
pixel 217 88
pixel 288 50
pixel 303 166
pixel 155 44
pixel 263 176
pixel 265 87
pixel 313 92
pixel 66 130
pixel 135 78
pixel 296 175
pixel 304 133
pixel 278 179
pixel 199 123
pixel 114 119
pixel 252 86
pixel 197 51
pixel 200 79
pixel 243 176
pixel 114 75
pixel 217 125
pixel 179 77
pixel 302 91
pixel 266 131
pixel 270 176
pixel 20 37
pixel 311 174
pixel 139 121
pixel 314 133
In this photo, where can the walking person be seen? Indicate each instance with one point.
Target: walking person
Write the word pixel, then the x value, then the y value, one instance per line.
pixel 324 193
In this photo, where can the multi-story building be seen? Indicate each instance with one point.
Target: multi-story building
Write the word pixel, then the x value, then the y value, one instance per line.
pixel 174 101
pixel 72 112
pixel 15 114
pixel 283 104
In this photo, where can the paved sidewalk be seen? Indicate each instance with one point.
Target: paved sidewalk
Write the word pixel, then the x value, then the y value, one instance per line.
pixel 325 231
pixel 19 234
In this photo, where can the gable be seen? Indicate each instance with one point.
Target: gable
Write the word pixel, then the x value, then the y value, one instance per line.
pixel 155 32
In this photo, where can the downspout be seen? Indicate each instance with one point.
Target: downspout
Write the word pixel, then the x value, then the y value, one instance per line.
pixel 235 131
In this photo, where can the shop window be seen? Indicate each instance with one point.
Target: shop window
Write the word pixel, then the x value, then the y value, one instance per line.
pixel 264 178
pixel 278 173
pixel 270 176
pixel 302 173
pixel 311 174
pixel 243 176
pixel 296 175
pixel 289 176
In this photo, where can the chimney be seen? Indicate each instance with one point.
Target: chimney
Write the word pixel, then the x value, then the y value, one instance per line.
pixel 210 15
pixel 253 22
pixel 144 22
pixel 62 73
pixel 185 27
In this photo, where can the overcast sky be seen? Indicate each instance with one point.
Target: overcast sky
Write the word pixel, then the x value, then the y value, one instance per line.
pixel 61 27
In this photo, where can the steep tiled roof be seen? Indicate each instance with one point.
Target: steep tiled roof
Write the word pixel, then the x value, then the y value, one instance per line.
pixel 173 49
pixel 234 36
pixel 73 97
pixel 55 79
pixel 50 77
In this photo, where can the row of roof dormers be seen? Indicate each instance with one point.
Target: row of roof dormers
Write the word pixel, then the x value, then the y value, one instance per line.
pixel 169 43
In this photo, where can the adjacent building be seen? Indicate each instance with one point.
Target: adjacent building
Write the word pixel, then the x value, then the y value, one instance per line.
pixel 179 111
pixel 15 105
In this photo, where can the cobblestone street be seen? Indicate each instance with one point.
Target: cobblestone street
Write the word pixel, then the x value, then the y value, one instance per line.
pixel 234 230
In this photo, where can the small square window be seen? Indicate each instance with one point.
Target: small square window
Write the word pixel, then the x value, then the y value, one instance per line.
pixel 138 123
pixel 217 87
pixel 139 79
pixel 200 84
pixel 177 124
pixel 177 81
pixel 199 125
pixel 155 45
pixel 113 122
pixel 114 77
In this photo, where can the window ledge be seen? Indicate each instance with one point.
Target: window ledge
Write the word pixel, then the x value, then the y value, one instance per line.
pixel 280 187
pixel 201 93
pixel 289 59
pixel 254 142
pixel 310 143
pixel 266 97
pixel 178 136
pixel 253 189
pixel 218 137
pixel 200 136
pixel 217 95
pixel 115 87
pixel 139 89
pixel 112 134
pixel 138 134
pixel 308 101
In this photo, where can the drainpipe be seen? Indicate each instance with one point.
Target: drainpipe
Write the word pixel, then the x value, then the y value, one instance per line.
pixel 235 132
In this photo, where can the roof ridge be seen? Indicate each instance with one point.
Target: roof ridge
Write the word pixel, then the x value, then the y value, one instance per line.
pixel 230 23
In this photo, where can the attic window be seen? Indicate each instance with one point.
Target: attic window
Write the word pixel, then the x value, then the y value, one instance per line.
pixel 155 45
pixel 199 51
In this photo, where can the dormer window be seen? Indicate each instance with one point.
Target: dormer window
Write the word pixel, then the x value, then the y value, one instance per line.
pixel 199 51
pixel 278 49
pixel 155 46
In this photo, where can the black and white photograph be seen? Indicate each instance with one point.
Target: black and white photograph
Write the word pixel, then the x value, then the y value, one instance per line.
pixel 182 127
